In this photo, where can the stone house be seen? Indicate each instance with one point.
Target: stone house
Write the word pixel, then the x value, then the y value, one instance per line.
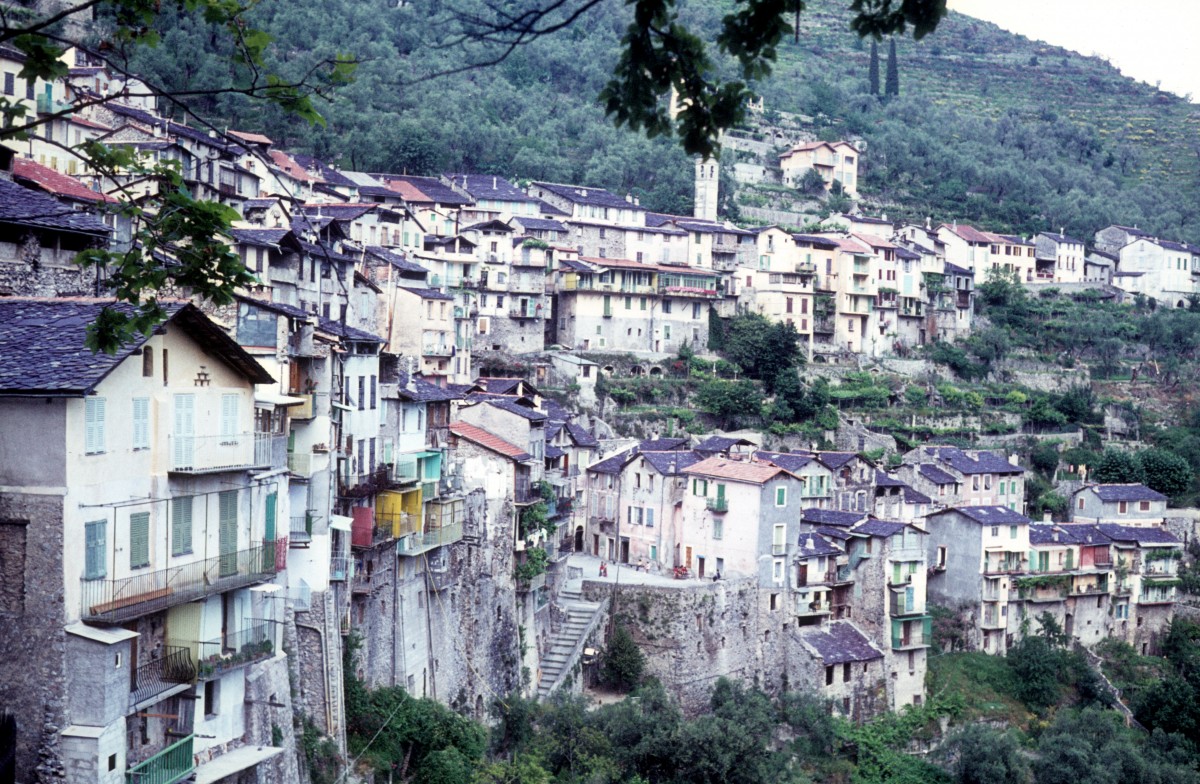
pixel 834 161
pixel 1060 258
pixel 842 666
pixel 1070 577
pixel 958 477
pixel 1146 570
pixel 1125 504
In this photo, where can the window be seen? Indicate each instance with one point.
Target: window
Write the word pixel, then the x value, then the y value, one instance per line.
pixel 373 398
pixel 995 530
pixel 10 84
pixel 148 362
pixel 181 525
pixel 781 496
pixel 211 691
pixel 777 571
pixel 1123 507
pixel 362 390
pixel 829 675
pixel 846 672
pixel 975 482
pixel 1012 532
pixel 139 540
pixel 629 303
pixel 93 425
pixel 695 310
pixel 650 516
pixel 229 416
pixel 141 423
pixel 1079 504
pixel 788 308
pixel 93 553
pixel 1144 506
pixel 718 529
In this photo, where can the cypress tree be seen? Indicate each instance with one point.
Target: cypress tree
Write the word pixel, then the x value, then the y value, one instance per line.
pixel 874 69
pixel 892 85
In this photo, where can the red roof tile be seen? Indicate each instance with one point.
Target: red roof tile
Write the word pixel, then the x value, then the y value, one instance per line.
pixel 737 470
pixel 487 440
pixel 55 182
pixel 253 138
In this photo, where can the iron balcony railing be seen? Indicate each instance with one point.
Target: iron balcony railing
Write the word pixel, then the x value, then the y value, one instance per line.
pixel 339 568
pixel 214 453
pixel 270 449
pixel 228 652
pixel 430 539
pixel 172 668
pixel 117 601
pixel 912 634
pixel 302 527
pixel 300 464
pixel 172 764
pixel 717 505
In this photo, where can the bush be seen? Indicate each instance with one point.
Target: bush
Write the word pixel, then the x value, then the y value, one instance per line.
pixel 623 663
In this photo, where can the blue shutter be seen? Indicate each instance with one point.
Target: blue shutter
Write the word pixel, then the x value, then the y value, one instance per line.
pixel 650 517
pixel 141 423
pixel 229 415
pixel 93 425
pixel 94 549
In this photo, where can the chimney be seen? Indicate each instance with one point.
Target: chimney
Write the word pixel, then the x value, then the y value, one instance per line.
pixel 1046 519
pixel 1014 459
pixel 628 197
pixel 808 545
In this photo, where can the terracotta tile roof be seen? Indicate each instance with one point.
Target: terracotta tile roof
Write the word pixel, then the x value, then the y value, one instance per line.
pixel 737 470
pixel 483 438
pixel 290 167
pixel 55 182
pixel 253 138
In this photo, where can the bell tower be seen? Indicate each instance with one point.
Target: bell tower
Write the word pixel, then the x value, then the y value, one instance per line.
pixel 708 172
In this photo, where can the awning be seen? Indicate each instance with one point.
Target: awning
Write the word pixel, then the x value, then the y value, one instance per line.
pixel 232 762
pixel 271 398
pixel 340 523
pixel 343 407
pixel 428 454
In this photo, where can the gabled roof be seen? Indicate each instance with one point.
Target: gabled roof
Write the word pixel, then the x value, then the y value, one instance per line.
pixel 982 463
pixel 581 194
pixel 882 528
pixel 736 470
pixel 840 534
pixel 1060 238
pixel 21 206
pixel 912 496
pixel 1043 534
pixel 42 347
pixel 51 181
pixel 347 332
pixel 539 224
pixel 968 233
pixel 720 444
pixel 1125 492
pixel 419 390
pixel 429 190
pixel 278 307
pixel 884 480
pixel 511 405
pixel 671 463
pixel 252 138
pixel 986 515
pixel 580 436
pixel 816 240
pixel 326 172
pixel 954 269
pixel 788 460
pixel 1140 535
pixel 663 444
pixel 832 517
pixel 840 642
pixel 338 211
pixel 490 187
pixel 495 443
pixel 396 259
pixel 835 460
pixel 614 463
pixel 811 546
pixel 264 238
pixel 427 293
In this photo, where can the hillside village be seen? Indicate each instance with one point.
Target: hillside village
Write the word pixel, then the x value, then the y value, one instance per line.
pixel 340 454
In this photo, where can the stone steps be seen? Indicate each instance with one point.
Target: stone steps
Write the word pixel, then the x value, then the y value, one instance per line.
pixel 564 649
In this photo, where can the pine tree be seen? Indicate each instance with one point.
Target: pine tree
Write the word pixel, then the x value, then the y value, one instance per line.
pixel 892 86
pixel 874 69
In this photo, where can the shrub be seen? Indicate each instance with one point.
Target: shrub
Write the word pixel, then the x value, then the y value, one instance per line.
pixel 623 663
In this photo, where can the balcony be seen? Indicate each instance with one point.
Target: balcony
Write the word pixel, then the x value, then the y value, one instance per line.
pixel 806 268
pixel 717 505
pixel 270 449
pixel 915 633
pixel 898 607
pixel 532 584
pixel 300 464
pixel 303 411
pixel 437 350
pixel 117 601
pixel 431 539
pixel 524 313
pixel 806 607
pixel 301 529
pixel 1043 593
pixel 1093 588
pixel 395 525
pixel 1006 567
pixel 155 677
pixel 339 568
pixel 215 453
pixel 690 291
pixel 172 764
pixel 232 651
pixel 993 620
pixel 779 548
pixel 48 105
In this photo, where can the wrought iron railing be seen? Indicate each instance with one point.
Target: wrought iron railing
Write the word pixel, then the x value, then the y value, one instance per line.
pixel 172 764
pixel 270 449
pixel 302 527
pixel 218 656
pixel 172 668
pixel 116 601
pixel 339 567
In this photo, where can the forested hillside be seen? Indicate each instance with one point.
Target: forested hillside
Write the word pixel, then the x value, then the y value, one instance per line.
pixel 988 127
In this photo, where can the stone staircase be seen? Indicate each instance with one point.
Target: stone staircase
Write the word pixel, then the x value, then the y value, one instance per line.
pixel 566 646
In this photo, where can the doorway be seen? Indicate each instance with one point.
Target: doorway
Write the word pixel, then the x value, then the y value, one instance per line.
pixel 579 538
pixel 700 566
pixel 688 561
pixel 624 551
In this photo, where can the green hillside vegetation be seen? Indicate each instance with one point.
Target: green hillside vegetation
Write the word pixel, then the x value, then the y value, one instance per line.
pixel 987 127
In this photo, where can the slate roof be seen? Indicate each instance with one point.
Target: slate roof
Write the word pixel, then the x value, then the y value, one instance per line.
pixel 1143 536
pixel 499 386
pixel 419 390
pixel 513 407
pixel 397 260
pixel 954 269
pixel 555 410
pixel 987 515
pixel 840 642
pixel 346 212
pixel 268 238
pixel 884 480
pixel 540 224
pixel 912 496
pixel 424 189
pixel 278 307
pixel 816 240
pixel 427 293
pixel 835 460
pixel 21 206
pixel 323 170
pixel 487 186
pixel 662 444
pixel 554 451
pixel 811 546
pixel 347 332
pixel 490 441
pixel 832 517
pixel 984 462
pixel 1043 534
pixel 55 182
pixel 1063 238
pixel 935 474
pixel 789 461
pixel 905 253
pixel 671 463
pixel 614 463
pixel 841 534
pixel 720 444
pixel 42 347
pixel 581 194
pixel 581 436
pixel 1126 492
pixel 884 528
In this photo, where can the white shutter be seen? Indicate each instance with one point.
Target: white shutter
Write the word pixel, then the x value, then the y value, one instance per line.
pixel 141 422
pixel 93 425
pixel 229 415
pixel 185 413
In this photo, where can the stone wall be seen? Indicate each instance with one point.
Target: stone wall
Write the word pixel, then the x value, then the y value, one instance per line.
pixel 269 712
pixel 32 683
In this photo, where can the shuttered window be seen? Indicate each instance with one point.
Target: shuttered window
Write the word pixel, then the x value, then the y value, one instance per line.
pixel 181 525
pixel 93 425
pixel 94 536
pixel 139 540
pixel 229 416
pixel 141 423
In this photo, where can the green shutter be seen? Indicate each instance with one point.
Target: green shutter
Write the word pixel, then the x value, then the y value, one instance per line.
pixel 780 496
pixel 139 540
pixel 181 525
pixel 94 549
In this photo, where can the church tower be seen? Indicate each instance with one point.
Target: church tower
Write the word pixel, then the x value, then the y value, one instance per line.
pixel 708 172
